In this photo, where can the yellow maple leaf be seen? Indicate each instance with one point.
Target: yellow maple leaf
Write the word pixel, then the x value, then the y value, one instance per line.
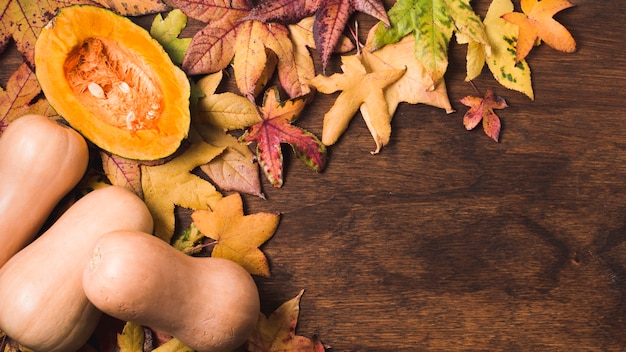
pixel 131 339
pixel 359 87
pixel 237 236
pixel 168 185
pixel 536 22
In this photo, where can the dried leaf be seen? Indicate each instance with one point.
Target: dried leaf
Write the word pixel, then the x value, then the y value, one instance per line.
pixel 227 111
pixel 482 109
pixel 275 128
pixel 536 22
pixel 359 87
pixel 277 333
pixel 173 345
pixel 237 236
pixel 172 184
pixel 131 338
pixel 331 17
pixel 166 32
pixel 17 99
pixel 122 172
pixel 432 24
pixel 23 19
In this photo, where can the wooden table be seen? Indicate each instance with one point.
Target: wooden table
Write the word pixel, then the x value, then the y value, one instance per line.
pixel 447 240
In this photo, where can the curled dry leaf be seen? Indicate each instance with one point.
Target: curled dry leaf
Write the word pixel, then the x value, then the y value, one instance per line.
pixel 276 333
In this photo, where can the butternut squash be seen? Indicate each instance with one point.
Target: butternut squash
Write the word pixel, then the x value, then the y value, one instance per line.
pixel 209 304
pixel 113 82
pixel 41 161
pixel 42 302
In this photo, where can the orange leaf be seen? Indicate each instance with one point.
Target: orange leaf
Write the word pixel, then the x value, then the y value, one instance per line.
pixel 277 333
pixel 482 109
pixel 536 22
pixel 238 236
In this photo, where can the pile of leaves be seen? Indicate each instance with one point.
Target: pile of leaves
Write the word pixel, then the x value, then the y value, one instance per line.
pixel 278 53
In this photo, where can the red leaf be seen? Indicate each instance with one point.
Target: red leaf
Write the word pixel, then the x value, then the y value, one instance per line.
pixel 276 128
pixel 331 17
pixel 482 109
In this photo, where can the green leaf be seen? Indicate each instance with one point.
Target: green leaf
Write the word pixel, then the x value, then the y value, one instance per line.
pixel 432 23
pixel 166 32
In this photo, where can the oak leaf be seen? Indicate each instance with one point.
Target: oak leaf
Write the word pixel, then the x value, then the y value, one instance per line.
pixel 237 236
pixel 173 184
pixel 23 19
pixel 482 109
pixel 536 22
pixel 432 23
pixel 502 62
pixel 331 17
pixel 358 87
pixel 277 333
pixel 276 128
pixel 20 97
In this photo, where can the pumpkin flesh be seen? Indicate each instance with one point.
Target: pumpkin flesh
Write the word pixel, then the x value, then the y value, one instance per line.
pixel 112 82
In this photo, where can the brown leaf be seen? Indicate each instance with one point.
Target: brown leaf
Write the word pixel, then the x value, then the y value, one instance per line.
pixel 482 109
pixel 17 99
pixel 122 172
pixel 277 333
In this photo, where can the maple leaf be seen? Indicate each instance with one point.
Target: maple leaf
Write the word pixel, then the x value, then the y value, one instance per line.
pixel 432 23
pixel 482 109
pixel 23 19
pixel 172 184
pixel 536 22
pixel 275 128
pixel 237 236
pixel 277 333
pixel 17 99
pixel 502 61
pixel 415 86
pixel 359 87
pixel 331 17
pixel 131 339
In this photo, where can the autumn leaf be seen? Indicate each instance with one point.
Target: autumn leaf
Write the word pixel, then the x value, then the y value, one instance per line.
pixel 358 87
pixel 277 333
pixel 17 100
pixel 502 61
pixel 23 19
pixel 482 109
pixel 122 172
pixel 173 345
pixel 131 339
pixel 415 86
pixel 173 184
pixel 331 17
pixel 166 31
pixel 275 128
pixel 237 236
pixel 536 22
pixel 432 23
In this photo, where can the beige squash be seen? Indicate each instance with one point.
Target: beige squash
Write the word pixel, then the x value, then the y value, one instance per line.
pixel 42 302
pixel 40 162
pixel 209 304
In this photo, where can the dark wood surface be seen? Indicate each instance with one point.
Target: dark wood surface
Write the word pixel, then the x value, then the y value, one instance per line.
pixel 447 240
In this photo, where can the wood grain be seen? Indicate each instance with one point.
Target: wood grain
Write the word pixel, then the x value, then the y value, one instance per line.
pixel 449 241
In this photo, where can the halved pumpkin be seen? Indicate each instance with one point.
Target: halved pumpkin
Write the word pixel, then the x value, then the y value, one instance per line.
pixel 111 81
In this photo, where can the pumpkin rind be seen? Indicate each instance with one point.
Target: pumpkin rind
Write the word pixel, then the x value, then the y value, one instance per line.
pixel 136 105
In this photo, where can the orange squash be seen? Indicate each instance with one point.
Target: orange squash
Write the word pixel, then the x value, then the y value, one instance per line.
pixel 111 81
